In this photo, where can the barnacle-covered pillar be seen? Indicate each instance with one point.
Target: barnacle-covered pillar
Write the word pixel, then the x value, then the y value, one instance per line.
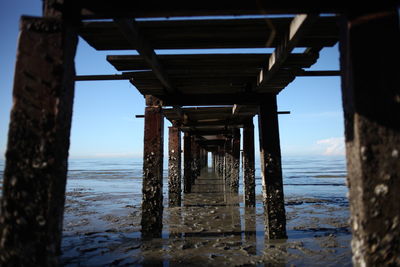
pixel 35 172
pixel 371 105
pixel 227 157
pixel 235 160
pixel 271 169
pixel 249 182
pixel 187 163
pixel 152 203
pixel 174 166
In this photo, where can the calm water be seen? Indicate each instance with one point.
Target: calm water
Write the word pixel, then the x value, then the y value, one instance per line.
pixel 317 177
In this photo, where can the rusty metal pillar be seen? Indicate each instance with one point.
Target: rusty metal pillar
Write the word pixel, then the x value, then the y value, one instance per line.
pixel 371 105
pixel 35 172
pixel 152 203
pixel 174 166
pixel 235 160
pixel 271 169
pixel 187 163
pixel 249 182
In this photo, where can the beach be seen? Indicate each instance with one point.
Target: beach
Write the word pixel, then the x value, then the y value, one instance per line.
pixel 212 228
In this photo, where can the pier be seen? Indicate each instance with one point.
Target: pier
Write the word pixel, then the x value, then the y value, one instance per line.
pixel 210 100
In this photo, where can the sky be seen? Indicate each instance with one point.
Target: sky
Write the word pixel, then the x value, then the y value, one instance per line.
pixel 104 123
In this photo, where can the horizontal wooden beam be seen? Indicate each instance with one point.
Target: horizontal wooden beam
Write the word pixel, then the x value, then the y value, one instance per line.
pixel 296 30
pixel 313 73
pixel 121 8
pixel 213 99
pixel 210 33
pixel 132 34
pixel 105 77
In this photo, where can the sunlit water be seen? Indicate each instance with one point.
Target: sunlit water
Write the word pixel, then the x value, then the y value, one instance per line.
pixel 319 177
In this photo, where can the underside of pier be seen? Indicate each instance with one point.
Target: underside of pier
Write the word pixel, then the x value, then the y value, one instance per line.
pixel 211 100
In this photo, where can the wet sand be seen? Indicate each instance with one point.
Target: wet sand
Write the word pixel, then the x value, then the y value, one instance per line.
pixel 212 228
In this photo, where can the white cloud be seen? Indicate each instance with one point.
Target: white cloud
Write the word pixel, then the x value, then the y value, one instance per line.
pixel 332 146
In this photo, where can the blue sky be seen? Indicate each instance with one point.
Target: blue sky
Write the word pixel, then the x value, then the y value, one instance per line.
pixel 104 123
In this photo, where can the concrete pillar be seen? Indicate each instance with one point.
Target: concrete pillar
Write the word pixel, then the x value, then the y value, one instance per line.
pixel 249 182
pixel 235 160
pixel 187 163
pixel 152 203
pixel 370 56
pixel 271 169
pixel 35 173
pixel 174 167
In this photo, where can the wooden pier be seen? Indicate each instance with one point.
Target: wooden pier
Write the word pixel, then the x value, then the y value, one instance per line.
pixel 208 98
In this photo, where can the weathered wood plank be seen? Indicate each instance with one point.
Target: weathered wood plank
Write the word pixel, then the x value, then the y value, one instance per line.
pixel 132 34
pixel 222 33
pixel 296 31
pixel 194 63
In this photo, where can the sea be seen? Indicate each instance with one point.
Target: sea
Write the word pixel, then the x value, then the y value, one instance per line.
pixel 322 177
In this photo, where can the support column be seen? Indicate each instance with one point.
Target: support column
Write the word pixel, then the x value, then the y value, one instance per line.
pixel 271 169
pixel 174 166
pixel 235 160
pixel 195 160
pixel 221 161
pixel 227 161
pixel 249 182
pixel 152 203
pixel 371 104
pixel 187 162
pixel 213 160
pixel 35 173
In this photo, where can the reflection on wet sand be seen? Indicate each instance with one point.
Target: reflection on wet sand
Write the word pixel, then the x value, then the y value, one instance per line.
pixel 212 228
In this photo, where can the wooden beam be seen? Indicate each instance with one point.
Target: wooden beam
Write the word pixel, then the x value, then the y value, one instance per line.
pixel 213 99
pixel 235 109
pixel 314 73
pixel 296 31
pixel 132 33
pixel 107 77
pixel 119 8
